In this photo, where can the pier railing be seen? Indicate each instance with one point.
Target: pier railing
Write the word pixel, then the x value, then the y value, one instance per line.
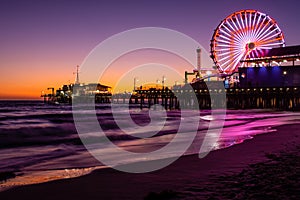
pixel 283 98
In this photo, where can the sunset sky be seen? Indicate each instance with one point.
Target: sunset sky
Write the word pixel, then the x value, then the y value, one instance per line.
pixel 41 42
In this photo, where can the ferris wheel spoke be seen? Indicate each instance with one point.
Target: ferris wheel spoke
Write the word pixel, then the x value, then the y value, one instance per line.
pixel 231 40
pixel 218 51
pixel 226 47
pixel 274 42
pixel 232 55
pixel 235 26
pixel 224 58
pixel 253 26
pixel 225 26
pixel 248 37
pixel 225 63
pixel 230 26
pixel 264 22
pixel 246 22
pixel 236 22
pixel 266 34
pixel 249 22
pixel 237 60
pixel 221 30
pixel 242 57
pixel 263 28
pixel 229 52
pixel 230 36
pixel 238 33
pixel 275 36
pixel 241 18
pixel 232 22
pixel 230 60
pixel 243 25
pixel 239 37
pixel 250 26
pixel 234 30
pixel 229 66
pixel 271 40
pixel 224 41
pixel 240 27
pixel 260 26
pixel 222 49
pixel 265 48
pixel 238 40
pixel 226 38
pixel 221 45
pixel 265 44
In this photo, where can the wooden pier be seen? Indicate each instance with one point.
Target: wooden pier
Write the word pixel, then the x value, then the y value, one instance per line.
pixel 283 98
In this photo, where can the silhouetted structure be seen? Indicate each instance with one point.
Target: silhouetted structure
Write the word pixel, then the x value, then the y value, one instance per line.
pixel 96 91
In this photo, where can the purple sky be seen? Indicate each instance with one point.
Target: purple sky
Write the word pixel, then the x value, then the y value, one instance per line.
pixel 42 38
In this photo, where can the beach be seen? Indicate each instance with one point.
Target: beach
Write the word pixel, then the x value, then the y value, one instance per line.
pixel 187 178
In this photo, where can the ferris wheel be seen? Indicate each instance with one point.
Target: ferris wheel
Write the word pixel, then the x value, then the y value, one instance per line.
pixel 243 34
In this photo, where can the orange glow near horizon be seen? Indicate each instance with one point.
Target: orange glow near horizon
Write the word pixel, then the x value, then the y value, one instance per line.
pixel 25 74
pixel 30 82
pixel 148 65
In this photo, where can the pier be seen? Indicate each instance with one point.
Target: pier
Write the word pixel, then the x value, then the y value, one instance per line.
pixel 281 98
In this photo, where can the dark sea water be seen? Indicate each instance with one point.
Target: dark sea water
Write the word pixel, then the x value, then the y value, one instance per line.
pixel 39 142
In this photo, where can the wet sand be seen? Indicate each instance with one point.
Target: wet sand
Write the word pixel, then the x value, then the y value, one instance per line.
pixel 223 174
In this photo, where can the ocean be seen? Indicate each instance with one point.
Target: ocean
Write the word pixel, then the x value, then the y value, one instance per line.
pixel 39 142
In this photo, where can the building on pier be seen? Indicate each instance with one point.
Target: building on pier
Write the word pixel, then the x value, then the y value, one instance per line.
pixel 278 67
pixel 101 93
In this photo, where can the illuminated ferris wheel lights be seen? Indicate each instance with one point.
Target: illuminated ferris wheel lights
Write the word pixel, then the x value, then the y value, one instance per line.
pixel 225 58
pixel 271 32
pixel 224 37
pixel 243 35
pixel 236 58
pixel 271 44
pixel 267 33
pixel 270 38
pixel 228 52
pixel 226 42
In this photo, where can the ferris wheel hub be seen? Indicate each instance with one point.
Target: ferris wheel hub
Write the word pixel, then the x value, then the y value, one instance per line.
pixel 251 45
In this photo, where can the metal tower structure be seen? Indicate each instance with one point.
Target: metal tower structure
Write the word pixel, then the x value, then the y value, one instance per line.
pixel 198 59
pixel 77 75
